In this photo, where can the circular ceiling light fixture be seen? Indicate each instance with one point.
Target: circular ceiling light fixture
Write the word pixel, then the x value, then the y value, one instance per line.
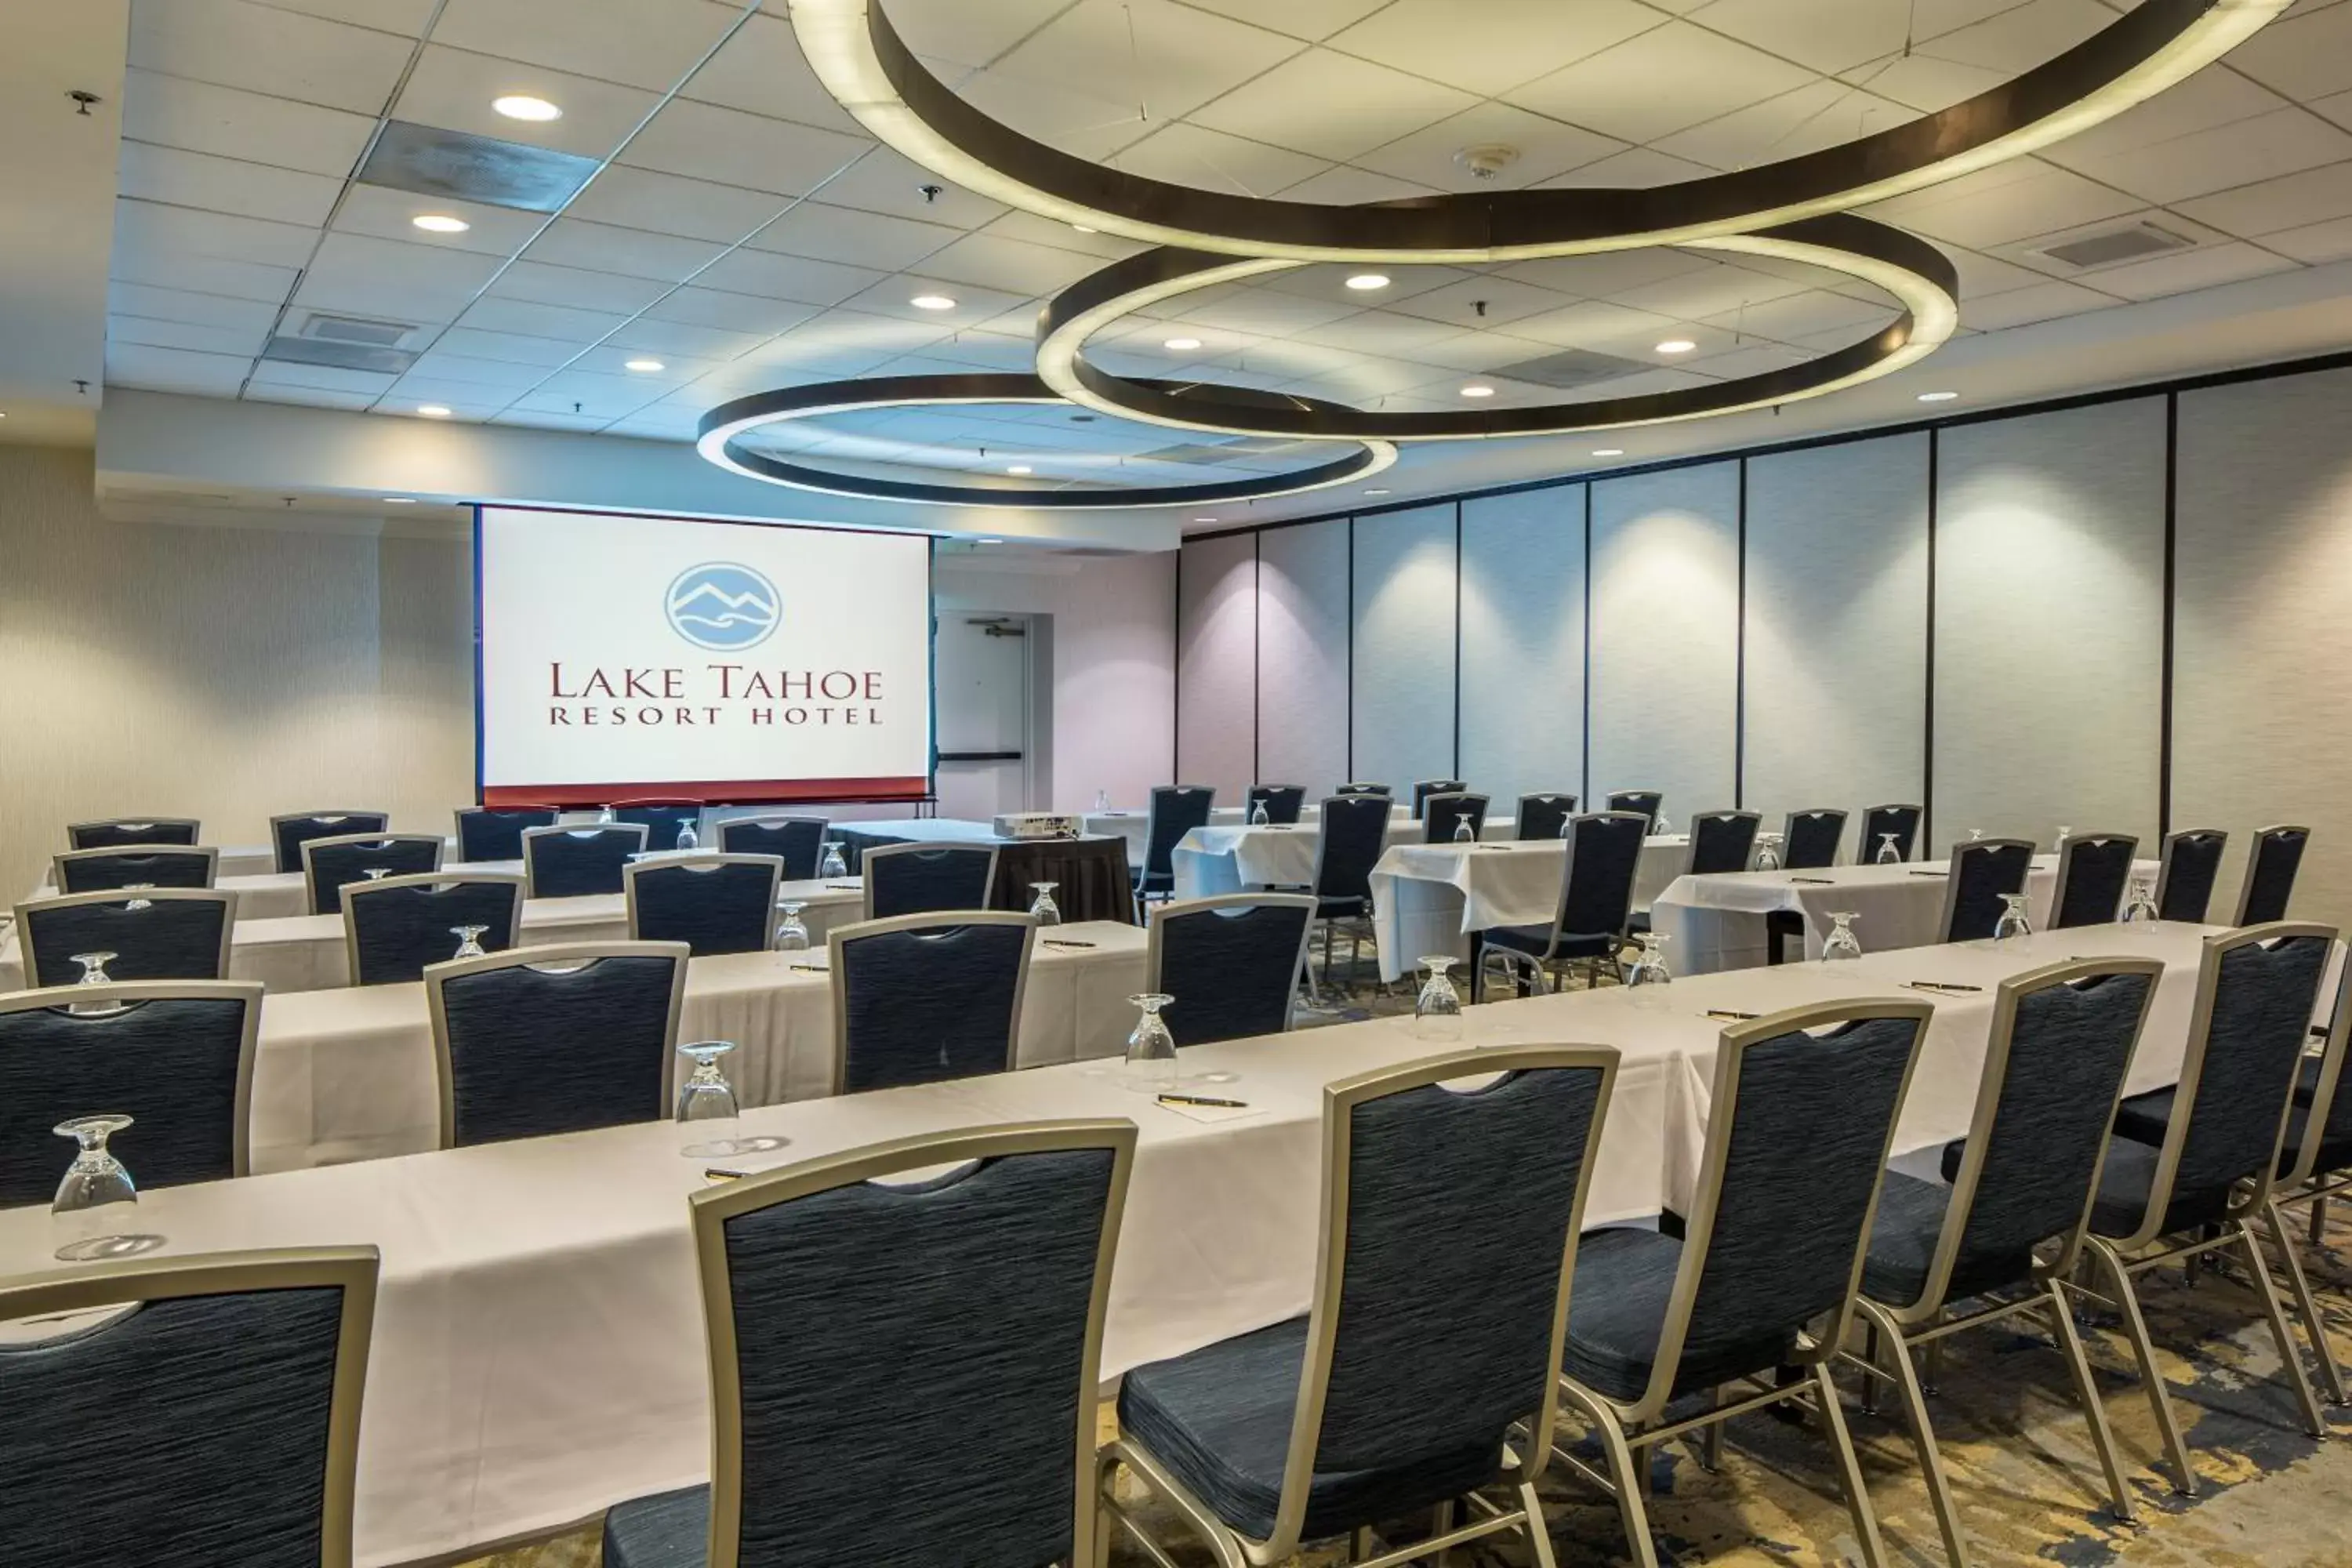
pixel 1019 468
pixel 433 410
pixel 1365 282
pixel 439 223
pixel 1477 389
pixel 1677 346
pixel 1608 451
pixel 932 302
pixel 644 366
pixel 1938 396
pixel 723 430
pixel 868 68
pixel 522 106
pixel 1181 344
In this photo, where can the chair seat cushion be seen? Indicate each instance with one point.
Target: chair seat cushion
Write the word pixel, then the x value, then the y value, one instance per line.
pixel 1618 1309
pixel 1533 940
pixel 1343 908
pixel 2126 1182
pixel 1638 921
pixel 668 1530
pixel 1902 1238
pixel 1219 1419
pixel 2142 1118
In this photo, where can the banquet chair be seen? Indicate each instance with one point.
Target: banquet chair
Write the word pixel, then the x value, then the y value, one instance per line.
pixel 174 1056
pixel 1362 788
pixel 158 934
pixel 852 1315
pixel 2316 1165
pixel 563 1039
pixel 1232 963
pixel 1403 1387
pixel 1945 1258
pixel 2190 1165
pixel 288 832
pixel 1596 903
pixel 1282 803
pixel 1983 870
pixel 1877 821
pixel 1648 802
pixel 1176 810
pixel 661 820
pixel 2186 874
pixel 1425 788
pixel 925 879
pixel 1770 1261
pixel 394 927
pixel 101 870
pixel 1721 842
pixel 1355 834
pixel 186 1410
pixel 1544 815
pixel 328 863
pixel 119 830
pixel 1441 812
pixel 574 862
pixel 713 903
pixel 2093 872
pixel 922 998
pixel 2270 875
pixel 491 833
pixel 795 840
pixel 1809 839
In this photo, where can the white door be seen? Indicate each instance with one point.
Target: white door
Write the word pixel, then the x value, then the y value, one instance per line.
pixel 985 705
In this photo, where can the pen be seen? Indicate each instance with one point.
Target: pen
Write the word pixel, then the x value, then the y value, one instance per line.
pixel 1203 1099
pixel 1940 985
pixel 1727 1014
pixel 844 887
pixel 1817 881
pixel 1062 941
pixel 719 1173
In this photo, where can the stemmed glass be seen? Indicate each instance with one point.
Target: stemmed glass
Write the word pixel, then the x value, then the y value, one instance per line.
pixel 1661 826
pixel 2012 923
pixel 1258 816
pixel 1462 831
pixel 791 932
pixel 1887 854
pixel 1437 1010
pixel 2065 833
pixel 95 1179
pixel 604 815
pixel 138 903
pixel 1976 834
pixel 1767 851
pixel 93 972
pixel 376 873
pixel 1102 800
pixel 1150 1049
pixel 687 838
pixel 1840 943
pixel 707 1097
pixel 469 942
pixel 2139 907
pixel 1047 912
pixel 831 864
pixel 1650 962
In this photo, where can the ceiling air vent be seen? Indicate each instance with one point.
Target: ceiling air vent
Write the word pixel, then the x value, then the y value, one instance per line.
pixel 2104 247
pixel 347 343
pixel 354 329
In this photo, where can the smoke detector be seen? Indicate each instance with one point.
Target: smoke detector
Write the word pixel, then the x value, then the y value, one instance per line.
pixel 1487 159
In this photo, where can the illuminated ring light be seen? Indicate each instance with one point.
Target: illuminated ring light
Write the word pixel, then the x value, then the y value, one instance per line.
pixel 863 63
pixel 723 426
pixel 1921 278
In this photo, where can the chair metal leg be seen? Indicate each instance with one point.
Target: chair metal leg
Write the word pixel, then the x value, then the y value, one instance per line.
pixel 1869 1396
pixel 1923 1432
pixel 1360 1543
pixel 1539 1529
pixel 1619 1455
pixel 1713 1458
pixel 1441 1519
pixel 1849 1466
pixel 2275 1310
pixel 2184 1477
pixel 2315 1328
pixel 2318 1223
pixel 2103 1438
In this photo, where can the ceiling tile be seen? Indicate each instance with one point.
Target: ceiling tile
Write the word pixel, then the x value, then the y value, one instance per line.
pixel 225 184
pixel 547 284
pixel 974 306
pixel 1345 184
pixel 1607 273
pixel 232 44
pixel 1634 166
pixel 793 278
pixel 1820 114
pixel 2271 205
pixel 1755 359
pixel 1490 48
pixel 453 89
pixel 174 370
pixel 1331 105
pixel 1546 148
pixel 1061 236
pixel 2020 37
pixel 671 203
pixel 1826 35
pixel 406 17
pixel 2314 243
pixel 1299 18
pixel 391 279
pixel 761 71
pixel 883 182
pixel 515 348
pixel 203 338
pixel 157 229
pixel 2280 142
pixel 960 32
pixel 2035 200
pixel 307 396
pixel 1380 332
pixel 844 234
pixel 2041 302
pixel 180 305
pixel 1187 154
pixel 2214 96
pixel 611 358
pixel 333 378
pixel 2203 267
pixel 645 43
pixel 1658 83
pixel 441 363
pixel 576 243
pixel 703 140
pixel 685 341
pixel 528 418
pixel 2303 57
pixel 701 307
pixel 1597 324
pixel 1503 300
pixel 528 318
pixel 609 395
pixel 1927 82
pixel 175 111
pixel 387 214
pixel 1146 57
pixel 1013 266
pixel 1707 291
pixel 1801 315
pixel 2335 107
pixel 465 402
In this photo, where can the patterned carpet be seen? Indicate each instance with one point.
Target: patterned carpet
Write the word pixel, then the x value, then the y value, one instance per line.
pixel 2015 1448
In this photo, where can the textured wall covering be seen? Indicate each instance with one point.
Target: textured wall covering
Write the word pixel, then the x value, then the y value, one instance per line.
pixel 2262 657
pixel 1523 643
pixel 1835 675
pixel 1666 635
pixel 1404 599
pixel 1302 661
pixel 1216 664
pixel 2050 623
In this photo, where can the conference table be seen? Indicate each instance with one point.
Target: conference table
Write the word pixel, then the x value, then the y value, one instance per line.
pixel 1089 873
pixel 1135 825
pixel 1428 897
pixel 349 1075
pixel 1231 858
pixel 539 1351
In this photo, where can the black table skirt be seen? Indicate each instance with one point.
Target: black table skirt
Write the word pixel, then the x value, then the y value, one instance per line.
pixel 1089 875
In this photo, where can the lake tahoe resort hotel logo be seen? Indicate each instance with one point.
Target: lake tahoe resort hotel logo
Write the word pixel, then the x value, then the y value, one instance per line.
pixel 722 606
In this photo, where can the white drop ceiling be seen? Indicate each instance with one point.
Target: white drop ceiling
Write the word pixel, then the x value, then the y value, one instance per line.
pixel 742 230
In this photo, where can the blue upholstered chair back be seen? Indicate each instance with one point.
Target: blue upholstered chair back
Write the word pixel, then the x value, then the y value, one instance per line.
pixel 1440 813
pixel 1282 803
pixel 2263 998
pixel 2335 1117
pixel 400 924
pixel 711 903
pixel 288 834
pixel 120 830
pixel 660 819
pixel 574 862
pixel 1230 964
pixel 175 1057
pixel 2270 875
pixel 1877 821
pixel 1423 789
pixel 1645 801
pixel 180 935
pixel 1176 810
pixel 926 878
pixel 1432 1360
pixel 1596 890
pixel 101 870
pixel 2094 871
pixel 873 1319
pixel 1365 787
pixel 1542 815
pixel 797 841
pixel 1354 833
pixel 1807 1140
pixel 531 1051
pixel 1983 871
pixel 2185 877
pixel 328 863
pixel 1811 840
pixel 214 1422
pixel 486 833
pixel 921 1000
pixel 1722 841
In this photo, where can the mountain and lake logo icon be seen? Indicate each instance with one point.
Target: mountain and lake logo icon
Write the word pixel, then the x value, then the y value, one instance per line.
pixel 723 605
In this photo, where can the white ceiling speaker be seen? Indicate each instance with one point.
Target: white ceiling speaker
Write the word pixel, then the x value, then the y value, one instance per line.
pixel 1487 159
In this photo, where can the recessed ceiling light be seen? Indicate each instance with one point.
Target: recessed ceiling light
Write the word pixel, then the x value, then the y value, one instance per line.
pixel 1376 491
pixel 1938 396
pixel 1363 282
pixel 440 222
pixel 522 106
pixel 932 302
pixel 433 410
pixel 1608 451
pixel 643 365
pixel 1082 228
pixel 1477 389
pixel 988 541
pixel 1180 344
pixel 1677 346
pixel 1205 519
pixel 1017 469
pixel 400 501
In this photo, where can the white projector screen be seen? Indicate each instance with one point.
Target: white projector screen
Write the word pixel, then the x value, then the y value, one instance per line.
pixel 623 657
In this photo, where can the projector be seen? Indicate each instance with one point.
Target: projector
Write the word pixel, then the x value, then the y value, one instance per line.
pixel 1036 824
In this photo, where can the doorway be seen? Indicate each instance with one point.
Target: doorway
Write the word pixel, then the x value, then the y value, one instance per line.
pixel 994 713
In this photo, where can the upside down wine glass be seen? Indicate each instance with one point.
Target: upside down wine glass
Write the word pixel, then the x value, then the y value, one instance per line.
pixel 831 864
pixel 687 838
pixel 1463 833
pixel 791 932
pixel 708 1099
pixel 93 972
pixel 1649 966
pixel 138 903
pixel 1258 816
pixel 1437 1009
pixel 469 942
pixel 2012 923
pixel 1041 905
pixel 95 1196
pixel 1887 854
pixel 1840 943
pixel 2140 908
pixel 1150 1049
pixel 1767 851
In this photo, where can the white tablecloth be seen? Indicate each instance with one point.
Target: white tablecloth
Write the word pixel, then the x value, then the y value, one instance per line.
pixel 1716 923
pixel 348 1074
pixel 1428 897
pixel 539 1350
pixel 1135 825
pixel 1231 859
